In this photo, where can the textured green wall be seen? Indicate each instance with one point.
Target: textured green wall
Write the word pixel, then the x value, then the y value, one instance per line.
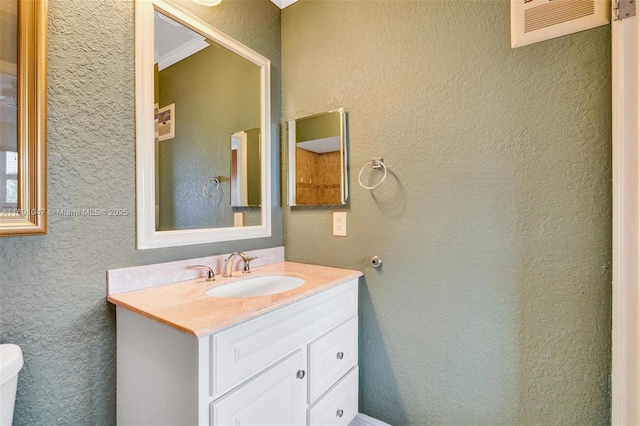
pixel 216 93
pixel 253 169
pixel 318 127
pixel 493 302
pixel 52 287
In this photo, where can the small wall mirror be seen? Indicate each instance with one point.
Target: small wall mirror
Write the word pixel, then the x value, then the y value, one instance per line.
pixel 203 132
pixel 23 122
pixel 317 155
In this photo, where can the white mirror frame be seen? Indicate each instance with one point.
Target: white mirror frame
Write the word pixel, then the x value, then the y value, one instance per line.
pixel 147 236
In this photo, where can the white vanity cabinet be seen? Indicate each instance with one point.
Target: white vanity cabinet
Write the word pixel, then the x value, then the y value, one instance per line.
pixel 295 365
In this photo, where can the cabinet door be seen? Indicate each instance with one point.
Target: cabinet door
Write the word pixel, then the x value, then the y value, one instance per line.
pixel 275 397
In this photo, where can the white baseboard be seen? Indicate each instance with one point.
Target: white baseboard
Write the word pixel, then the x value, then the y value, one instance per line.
pixel 364 420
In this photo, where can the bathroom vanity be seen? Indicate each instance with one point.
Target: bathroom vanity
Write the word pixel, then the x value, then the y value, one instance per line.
pixel 284 359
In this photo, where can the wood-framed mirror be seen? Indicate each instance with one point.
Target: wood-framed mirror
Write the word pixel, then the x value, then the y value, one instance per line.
pixel 196 88
pixel 23 117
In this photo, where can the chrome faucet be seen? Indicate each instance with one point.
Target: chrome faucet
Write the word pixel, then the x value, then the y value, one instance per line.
pixel 227 269
pixel 211 276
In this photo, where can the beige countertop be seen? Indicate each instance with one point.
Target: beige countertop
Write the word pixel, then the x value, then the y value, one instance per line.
pixel 185 306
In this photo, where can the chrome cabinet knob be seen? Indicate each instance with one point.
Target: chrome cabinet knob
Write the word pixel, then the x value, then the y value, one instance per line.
pixel 340 412
pixel 340 355
pixel 300 374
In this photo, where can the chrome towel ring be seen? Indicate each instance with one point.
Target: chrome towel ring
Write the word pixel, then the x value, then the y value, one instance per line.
pixel 215 182
pixel 376 164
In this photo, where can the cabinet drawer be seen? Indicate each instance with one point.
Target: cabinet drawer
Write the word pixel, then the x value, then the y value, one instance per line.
pixel 338 406
pixel 244 350
pixel 332 356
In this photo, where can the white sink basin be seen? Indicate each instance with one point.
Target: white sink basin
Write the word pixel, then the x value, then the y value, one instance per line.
pixel 258 286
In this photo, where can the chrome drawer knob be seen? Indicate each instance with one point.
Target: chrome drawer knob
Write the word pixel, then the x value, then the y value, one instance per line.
pixel 340 355
pixel 300 374
pixel 340 412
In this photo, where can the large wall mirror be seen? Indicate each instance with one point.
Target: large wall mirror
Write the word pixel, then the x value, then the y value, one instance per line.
pixel 203 132
pixel 317 157
pixel 23 124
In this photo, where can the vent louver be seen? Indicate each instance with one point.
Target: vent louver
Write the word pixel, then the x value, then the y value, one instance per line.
pixel 538 20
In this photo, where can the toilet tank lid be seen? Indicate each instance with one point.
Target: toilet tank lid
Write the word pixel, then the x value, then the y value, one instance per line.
pixel 10 361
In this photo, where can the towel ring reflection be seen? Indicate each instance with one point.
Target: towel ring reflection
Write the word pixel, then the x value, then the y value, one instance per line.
pixel 376 163
pixel 216 183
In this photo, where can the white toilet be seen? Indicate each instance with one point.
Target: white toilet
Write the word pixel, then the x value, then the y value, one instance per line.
pixel 10 365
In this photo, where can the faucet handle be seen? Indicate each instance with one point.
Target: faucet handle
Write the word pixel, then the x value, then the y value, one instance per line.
pixel 247 266
pixel 211 276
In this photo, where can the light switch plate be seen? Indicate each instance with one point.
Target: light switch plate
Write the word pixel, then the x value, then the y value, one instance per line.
pixel 238 220
pixel 340 224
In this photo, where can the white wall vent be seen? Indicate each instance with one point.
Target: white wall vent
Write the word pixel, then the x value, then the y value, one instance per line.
pixel 537 20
